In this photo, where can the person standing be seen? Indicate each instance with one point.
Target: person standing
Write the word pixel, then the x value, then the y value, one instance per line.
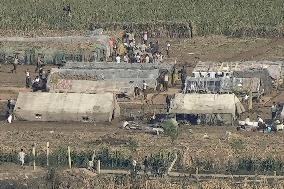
pixel 144 89
pixel 145 37
pixel 22 156
pixel 117 58
pixel 28 79
pixel 168 49
pixel 273 110
pixel 168 101
pixel 166 82
pixel 183 77
pixel 138 58
pixel 261 123
pixel 146 165
pixel 147 59
pixel 134 164
pixel 15 63
pixel 126 58
pixel 38 63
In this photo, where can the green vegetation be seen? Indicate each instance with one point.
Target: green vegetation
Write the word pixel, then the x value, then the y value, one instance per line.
pixel 171 130
pixel 234 17
pixel 238 145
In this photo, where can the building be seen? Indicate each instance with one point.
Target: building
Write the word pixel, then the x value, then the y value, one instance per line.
pixel 223 85
pixel 66 107
pixel 101 80
pixel 209 108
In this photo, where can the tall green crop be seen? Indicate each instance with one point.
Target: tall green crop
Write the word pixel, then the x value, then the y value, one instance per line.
pixel 209 17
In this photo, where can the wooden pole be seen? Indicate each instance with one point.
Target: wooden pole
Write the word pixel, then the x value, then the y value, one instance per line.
pixel 47 154
pixel 250 100
pixel 34 156
pixel 98 167
pixel 69 157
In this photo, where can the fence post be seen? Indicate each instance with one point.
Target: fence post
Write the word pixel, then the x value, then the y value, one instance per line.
pixel 196 171
pixel 34 156
pixel 47 154
pixel 69 157
pixel 98 167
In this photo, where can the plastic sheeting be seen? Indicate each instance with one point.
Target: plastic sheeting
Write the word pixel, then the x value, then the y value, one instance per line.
pixel 206 104
pixel 65 107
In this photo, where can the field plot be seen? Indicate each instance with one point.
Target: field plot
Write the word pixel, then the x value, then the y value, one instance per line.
pixel 234 17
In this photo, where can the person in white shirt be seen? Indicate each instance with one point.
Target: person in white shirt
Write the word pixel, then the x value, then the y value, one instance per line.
pixel 166 82
pixel 247 121
pixel 37 79
pixel 168 49
pixel 117 58
pixel 259 119
pixel 22 156
pixel 15 63
pixel 147 59
pixel 28 79
pixel 261 123
pixel 10 118
pixel 134 164
pixel 126 58
pixel 145 37
pixel 138 58
pixel 144 89
pixel 125 124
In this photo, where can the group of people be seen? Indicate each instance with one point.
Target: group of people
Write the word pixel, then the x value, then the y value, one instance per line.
pixel 149 165
pixel 39 82
pixel 127 50
pixel 261 125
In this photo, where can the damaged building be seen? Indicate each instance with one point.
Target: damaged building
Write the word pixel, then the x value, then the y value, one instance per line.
pixel 54 50
pixel 119 81
pixel 214 77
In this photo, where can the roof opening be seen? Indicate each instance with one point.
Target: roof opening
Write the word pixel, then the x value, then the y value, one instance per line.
pixel 85 118
pixel 38 116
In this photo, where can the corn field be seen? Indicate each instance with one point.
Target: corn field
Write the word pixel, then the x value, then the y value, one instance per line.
pixel 233 18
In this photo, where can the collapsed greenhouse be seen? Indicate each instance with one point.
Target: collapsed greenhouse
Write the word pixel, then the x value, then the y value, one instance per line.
pixel 66 107
pixel 209 108
pixel 223 85
pixel 112 65
pixel 54 50
pixel 222 69
pixel 267 72
pixel 119 81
